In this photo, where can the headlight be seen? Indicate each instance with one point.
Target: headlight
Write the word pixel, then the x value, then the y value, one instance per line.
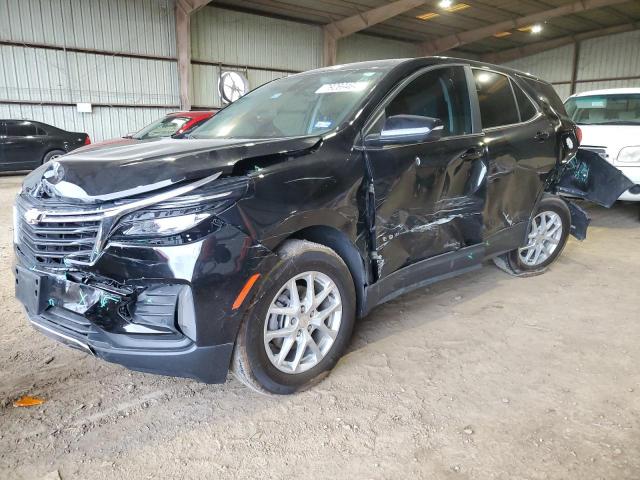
pixel 158 224
pixel 629 155
pixel 181 219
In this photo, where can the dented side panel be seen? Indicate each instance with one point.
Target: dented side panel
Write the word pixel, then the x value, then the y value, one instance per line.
pixel 518 167
pixel 429 199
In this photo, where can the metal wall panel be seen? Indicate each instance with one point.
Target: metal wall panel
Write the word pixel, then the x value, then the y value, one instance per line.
pixel 243 39
pixel 103 123
pixel 52 75
pixel 133 26
pixel 553 65
pixel 205 83
pixel 612 56
pixel 600 58
pixel 359 48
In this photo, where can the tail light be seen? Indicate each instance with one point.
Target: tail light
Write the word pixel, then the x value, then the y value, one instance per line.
pixel 579 135
pixel 87 141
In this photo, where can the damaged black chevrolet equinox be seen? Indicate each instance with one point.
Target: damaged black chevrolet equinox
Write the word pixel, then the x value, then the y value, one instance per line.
pixel 256 241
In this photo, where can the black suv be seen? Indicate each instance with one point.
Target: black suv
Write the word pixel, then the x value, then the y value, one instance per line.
pixel 25 144
pixel 257 241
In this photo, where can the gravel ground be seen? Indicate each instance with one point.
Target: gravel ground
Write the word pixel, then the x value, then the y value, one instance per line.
pixel 483 376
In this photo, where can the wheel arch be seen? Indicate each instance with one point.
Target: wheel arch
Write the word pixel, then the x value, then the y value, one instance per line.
pixel 339 242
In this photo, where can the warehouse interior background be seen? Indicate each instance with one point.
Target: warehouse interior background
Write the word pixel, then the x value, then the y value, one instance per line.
pixel 134 61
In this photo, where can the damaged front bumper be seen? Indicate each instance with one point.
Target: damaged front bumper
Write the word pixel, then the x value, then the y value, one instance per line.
pixel 165 310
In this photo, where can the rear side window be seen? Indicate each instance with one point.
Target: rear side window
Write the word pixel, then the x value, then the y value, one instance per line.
pixel 497 103
pixel 21 129
pixel 440 93
pixel 527 110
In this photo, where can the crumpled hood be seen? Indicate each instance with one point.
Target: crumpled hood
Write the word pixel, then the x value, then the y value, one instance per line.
pixel 113 172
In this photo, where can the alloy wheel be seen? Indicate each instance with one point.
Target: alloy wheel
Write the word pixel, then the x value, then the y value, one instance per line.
pixel 544 237
pixel 302 322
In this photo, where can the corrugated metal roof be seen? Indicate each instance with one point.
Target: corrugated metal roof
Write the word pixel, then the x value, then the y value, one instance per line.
pixel 480 13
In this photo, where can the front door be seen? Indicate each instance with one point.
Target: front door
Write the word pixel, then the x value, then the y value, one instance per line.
pixel 23 145
pixel 429 196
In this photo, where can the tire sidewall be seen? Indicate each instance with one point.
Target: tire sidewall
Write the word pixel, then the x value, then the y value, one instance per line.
pixel 262 369
pixel 559 207
pixel 49 155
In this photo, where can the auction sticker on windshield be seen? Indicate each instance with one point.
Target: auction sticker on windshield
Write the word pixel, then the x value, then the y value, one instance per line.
pixel 342 87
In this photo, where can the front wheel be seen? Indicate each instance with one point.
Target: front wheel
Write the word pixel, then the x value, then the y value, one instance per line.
pixel 301 323
pixel 546 238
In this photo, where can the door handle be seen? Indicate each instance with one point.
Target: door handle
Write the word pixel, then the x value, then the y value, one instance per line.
pixel 542 136
pixel 473 154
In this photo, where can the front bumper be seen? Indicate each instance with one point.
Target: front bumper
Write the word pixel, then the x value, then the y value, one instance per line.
pixel 128 307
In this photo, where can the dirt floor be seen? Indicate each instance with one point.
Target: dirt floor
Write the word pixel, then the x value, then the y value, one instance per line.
pixel 483 376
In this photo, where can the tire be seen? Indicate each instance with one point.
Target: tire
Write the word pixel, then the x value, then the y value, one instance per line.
pixel 264 363
pixel 523 261
pixel 52 154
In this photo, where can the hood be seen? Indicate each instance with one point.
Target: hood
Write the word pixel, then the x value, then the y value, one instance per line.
pixel 112 142
pixel 112 172
pixel 611 137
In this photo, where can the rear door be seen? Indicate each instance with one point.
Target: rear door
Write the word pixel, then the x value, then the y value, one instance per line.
pixel 522 149
pixel 429 196
pixel 24 145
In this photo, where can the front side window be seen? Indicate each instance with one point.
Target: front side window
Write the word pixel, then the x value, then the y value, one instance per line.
pixel 497 103
pixel 615 109
pixel 441 93
pixel 21 129
pixel 311 103
pixel 165 127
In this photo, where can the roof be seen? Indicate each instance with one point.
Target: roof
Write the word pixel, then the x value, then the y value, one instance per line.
pixel 474 15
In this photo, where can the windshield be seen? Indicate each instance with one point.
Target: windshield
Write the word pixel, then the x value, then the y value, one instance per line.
pixel 618 109
pixel 165 127
pixel 306 104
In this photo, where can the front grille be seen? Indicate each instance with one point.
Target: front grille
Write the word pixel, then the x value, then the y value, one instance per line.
pixel 54 232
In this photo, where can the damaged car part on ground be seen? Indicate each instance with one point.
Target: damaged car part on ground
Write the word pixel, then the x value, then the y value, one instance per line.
pixel 258 241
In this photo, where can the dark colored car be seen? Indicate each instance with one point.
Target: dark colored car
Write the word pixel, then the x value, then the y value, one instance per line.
pixel 256 242
pixel 25 144
pixel 172 124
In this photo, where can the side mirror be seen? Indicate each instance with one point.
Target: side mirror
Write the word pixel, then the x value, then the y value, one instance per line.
pixel 407 129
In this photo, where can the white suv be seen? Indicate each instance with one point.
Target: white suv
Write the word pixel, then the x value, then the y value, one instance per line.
pixel 610 124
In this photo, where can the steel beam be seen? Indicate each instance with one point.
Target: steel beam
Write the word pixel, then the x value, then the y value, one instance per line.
pixel 538 47
pixel 452 41
pixel 183 12
pixel 347 26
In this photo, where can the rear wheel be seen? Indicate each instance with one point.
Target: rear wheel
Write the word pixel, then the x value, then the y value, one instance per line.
pixel 547 235
pixel 301 323
pixel 52 154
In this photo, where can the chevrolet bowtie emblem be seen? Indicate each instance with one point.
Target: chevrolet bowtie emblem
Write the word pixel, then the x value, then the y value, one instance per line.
pixel 32 216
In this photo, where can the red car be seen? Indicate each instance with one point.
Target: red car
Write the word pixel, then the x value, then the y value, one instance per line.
pixel 174 123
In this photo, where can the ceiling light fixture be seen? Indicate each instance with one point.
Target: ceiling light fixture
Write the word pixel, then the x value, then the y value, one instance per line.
pixel 501 34
pixel 537 28
pixel 445 4
pixel 457 7
pixel 428 16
